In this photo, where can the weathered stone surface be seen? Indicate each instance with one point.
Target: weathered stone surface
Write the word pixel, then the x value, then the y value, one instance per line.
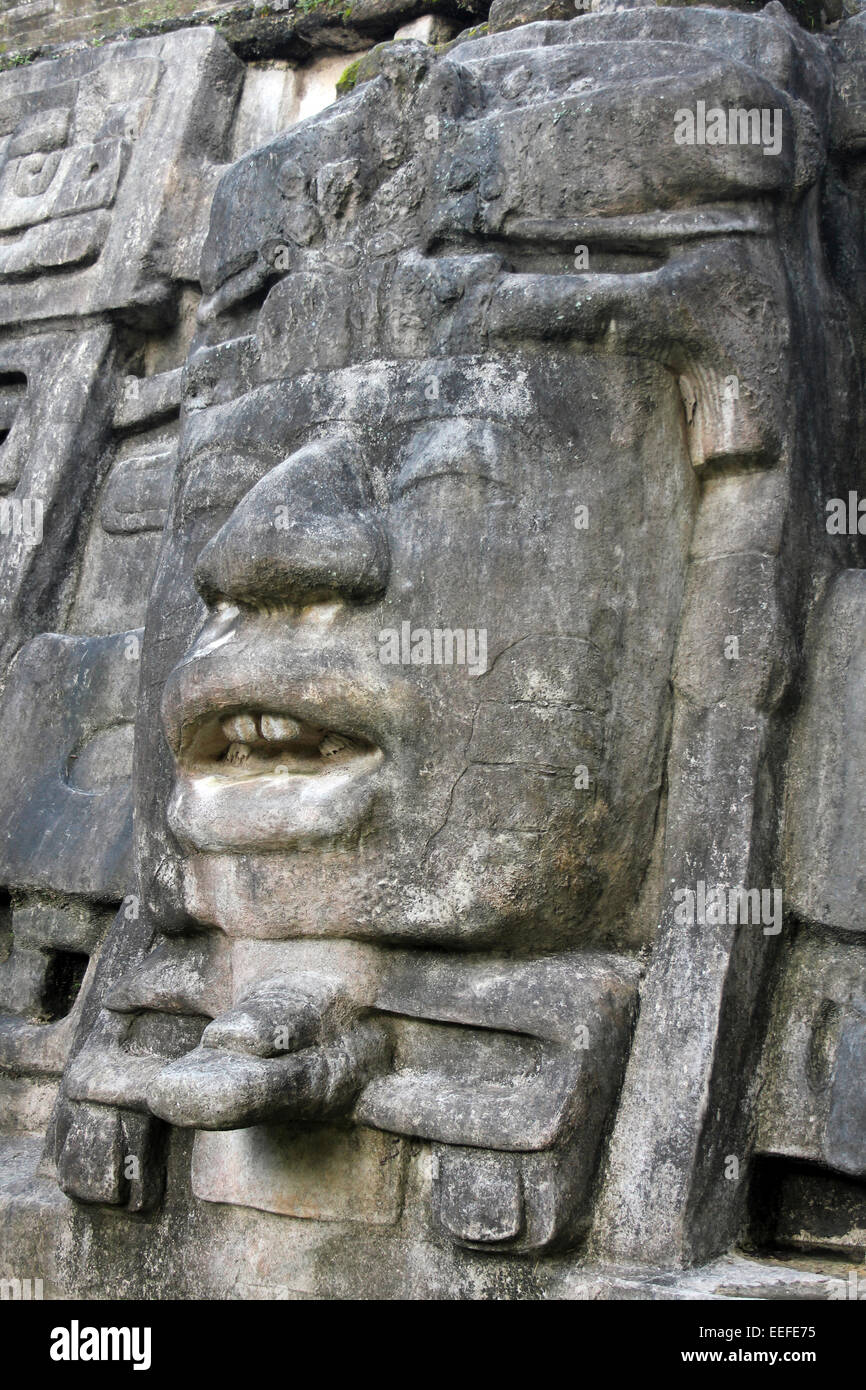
pixel 812 1102
pixel 134 130
pixel 61 397
pixel 508 14
pixel 318 1174
pixel 258 32
pixel 825 827
pixel 495 904
pixel 66 814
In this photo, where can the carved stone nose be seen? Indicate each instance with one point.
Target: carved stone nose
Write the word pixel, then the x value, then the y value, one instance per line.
pixel 307 530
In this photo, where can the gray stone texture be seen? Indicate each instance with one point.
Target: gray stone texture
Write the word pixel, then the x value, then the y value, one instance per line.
pixel 416 582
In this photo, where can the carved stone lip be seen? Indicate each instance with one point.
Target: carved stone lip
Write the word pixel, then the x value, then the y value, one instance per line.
pixel 288 783
pixel 265 668
pixel 268 811
pixel 275 734
pixel 743 218
pixel 253 742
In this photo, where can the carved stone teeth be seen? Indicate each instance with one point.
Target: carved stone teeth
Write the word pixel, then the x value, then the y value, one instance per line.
pixel 279 728
pixel 240 728
pixel 237 753
pixel 333 743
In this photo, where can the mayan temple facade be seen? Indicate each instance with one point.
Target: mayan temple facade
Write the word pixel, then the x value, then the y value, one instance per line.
pixel 432 650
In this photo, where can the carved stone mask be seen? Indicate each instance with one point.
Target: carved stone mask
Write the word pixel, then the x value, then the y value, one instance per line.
pixel 488 419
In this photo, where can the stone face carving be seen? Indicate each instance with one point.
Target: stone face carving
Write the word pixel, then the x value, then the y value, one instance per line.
pixel 319 792
pixel 495 614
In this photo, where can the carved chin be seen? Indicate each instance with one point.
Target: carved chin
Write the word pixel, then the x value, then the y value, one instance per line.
pixel 486 893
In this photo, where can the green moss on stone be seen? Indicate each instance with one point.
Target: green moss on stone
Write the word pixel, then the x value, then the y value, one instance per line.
pixel 347 79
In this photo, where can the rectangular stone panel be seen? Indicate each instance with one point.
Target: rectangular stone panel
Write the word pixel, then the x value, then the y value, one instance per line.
pixel 319 1172
pixel 66 799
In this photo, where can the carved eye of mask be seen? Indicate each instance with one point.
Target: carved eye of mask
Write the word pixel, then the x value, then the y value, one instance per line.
pixel 462 449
